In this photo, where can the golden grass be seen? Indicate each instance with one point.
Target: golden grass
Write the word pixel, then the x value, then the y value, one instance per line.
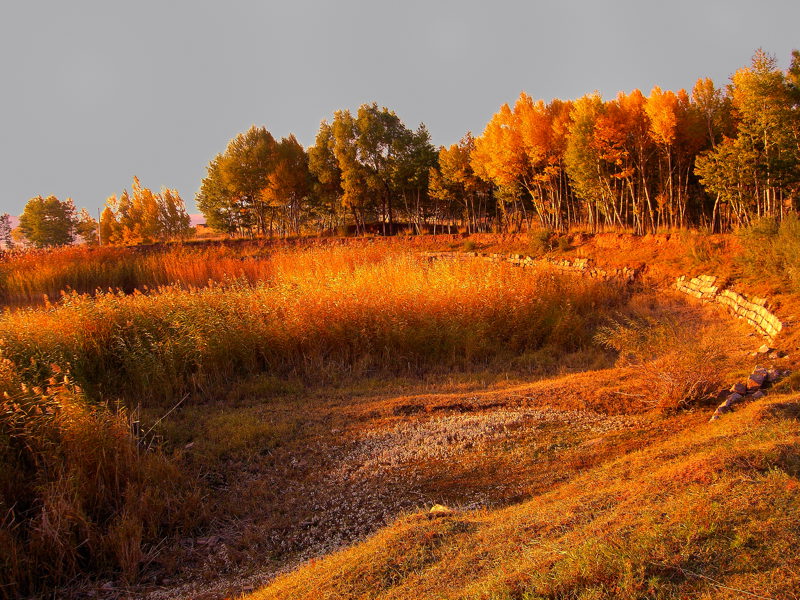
pixel 27 277
pixel 325 314
pixel 705 513
pixel 290 349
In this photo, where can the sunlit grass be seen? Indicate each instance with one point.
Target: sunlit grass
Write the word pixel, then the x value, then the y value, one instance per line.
pixel 323 315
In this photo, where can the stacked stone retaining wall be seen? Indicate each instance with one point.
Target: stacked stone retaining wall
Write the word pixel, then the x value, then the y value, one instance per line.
pixel 709 288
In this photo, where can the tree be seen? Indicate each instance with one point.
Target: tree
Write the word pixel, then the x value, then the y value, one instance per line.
pixel 230 195
pixel 582 158
pixel 86 227
pixel 48 221
pixel 108 223
pixel 415 158
pixel 327 176
pixel 5 231
pixel 173 220
pixel 144 217
pixel 757 173
pixel 376 160
pixel 288 186
pixel 455 184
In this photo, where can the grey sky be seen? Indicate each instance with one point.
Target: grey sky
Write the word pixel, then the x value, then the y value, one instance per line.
pixel 94 92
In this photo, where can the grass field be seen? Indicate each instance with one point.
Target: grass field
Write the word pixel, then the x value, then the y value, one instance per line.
pixel 223 414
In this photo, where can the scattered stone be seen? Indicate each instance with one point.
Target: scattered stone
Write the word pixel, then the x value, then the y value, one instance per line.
pixel 733 398
pixel 756 380
pixel 739 388
pixel 439 510
pixel 724 408
pixel 758 394
pixel 765 349
pixel 773 375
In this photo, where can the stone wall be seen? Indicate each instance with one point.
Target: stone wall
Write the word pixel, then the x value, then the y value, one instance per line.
pixel 753 310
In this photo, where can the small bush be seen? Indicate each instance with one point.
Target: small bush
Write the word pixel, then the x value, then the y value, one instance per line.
pixel 679 365
pixel 540 241
pixel 703 250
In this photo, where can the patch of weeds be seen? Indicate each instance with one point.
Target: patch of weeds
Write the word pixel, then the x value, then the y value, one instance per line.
pixel 540 241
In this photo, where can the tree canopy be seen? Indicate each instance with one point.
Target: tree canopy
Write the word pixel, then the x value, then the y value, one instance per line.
pixel 48 221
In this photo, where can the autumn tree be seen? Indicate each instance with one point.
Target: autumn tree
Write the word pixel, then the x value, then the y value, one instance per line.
pixel 86 227
pixel 173 219
pixel 583 159
pixel 411 173
pixel 143 217
pixel 455 184
pixel 287 188
pixel 48 221
pixel 230 195
pixel 498 158
pixel 326 177
pixel 757 172
pixel 108 225
pixel 380 165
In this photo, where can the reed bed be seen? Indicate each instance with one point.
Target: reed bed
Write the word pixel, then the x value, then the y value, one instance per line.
pixel 29 277
pixel 79 496
pixel 321 315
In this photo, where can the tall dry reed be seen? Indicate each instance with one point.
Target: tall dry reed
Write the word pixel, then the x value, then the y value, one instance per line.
pixel 323 314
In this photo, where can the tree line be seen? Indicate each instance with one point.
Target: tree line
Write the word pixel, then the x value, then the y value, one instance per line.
pixel 142 216
pixel 712 157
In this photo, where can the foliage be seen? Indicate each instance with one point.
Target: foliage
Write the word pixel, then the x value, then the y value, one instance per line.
pixel 379 165
pixel 773 247
pixel 255 181
pixel 48 221
pixel 757 172
pixel 86 227
pixel 143 217
pixel 680 365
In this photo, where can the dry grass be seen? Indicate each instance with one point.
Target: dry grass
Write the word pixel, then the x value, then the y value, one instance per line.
pixel 324 315
pixel 77 494
pixel 27 277
pixel 334 387
pixel 703 513
pixel 681 362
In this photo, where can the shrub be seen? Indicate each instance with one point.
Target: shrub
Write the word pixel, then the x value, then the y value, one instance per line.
pixel 540 241
pixel 679 365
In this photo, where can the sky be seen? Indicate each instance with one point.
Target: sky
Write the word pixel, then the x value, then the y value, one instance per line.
pixel 95 92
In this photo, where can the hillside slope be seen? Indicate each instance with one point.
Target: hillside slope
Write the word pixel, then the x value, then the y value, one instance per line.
pixel 708 512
